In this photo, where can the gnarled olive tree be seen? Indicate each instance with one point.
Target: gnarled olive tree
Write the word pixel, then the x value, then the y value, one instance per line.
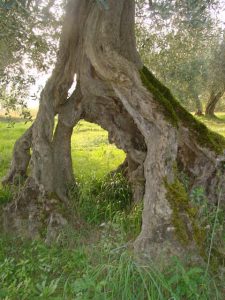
pixel 161 139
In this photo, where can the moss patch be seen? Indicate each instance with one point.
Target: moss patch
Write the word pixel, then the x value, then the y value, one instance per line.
pixel 176 114
pixel 184 216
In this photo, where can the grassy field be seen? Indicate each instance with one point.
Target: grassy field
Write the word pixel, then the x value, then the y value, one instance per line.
pixel 94 261
pixel 92 154
pixel 217 125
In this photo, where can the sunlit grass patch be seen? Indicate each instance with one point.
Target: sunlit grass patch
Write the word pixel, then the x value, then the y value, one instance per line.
pixel 92 154
pixel 216 124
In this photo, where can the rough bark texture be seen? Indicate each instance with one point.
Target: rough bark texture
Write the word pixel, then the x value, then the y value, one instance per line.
pixel 115 91
pixel 213 100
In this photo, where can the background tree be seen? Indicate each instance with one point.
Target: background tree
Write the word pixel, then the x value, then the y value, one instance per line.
pixel 216 78
pixel 177 44
pixel 29 35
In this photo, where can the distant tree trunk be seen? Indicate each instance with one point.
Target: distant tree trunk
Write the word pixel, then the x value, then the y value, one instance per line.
pixel 199 111
pixel 195 97
pixel 117 92
pixel 213 100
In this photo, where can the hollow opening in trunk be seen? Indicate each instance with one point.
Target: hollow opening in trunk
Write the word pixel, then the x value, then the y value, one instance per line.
pixel 102 191
pixel 92 154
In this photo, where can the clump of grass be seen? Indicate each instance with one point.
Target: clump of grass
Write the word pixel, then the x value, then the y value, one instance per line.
pixel 99 200
pixel 211 217
pixel 6 195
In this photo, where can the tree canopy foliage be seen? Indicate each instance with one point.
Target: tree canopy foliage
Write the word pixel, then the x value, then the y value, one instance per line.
pixel 29 34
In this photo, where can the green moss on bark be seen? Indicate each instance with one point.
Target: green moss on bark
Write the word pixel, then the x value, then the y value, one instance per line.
pixel 185 219
pixel 177 115
pixel 184 216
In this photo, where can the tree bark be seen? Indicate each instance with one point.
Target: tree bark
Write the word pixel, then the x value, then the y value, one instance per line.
pixel 213 100
pixel 115 91
pixel 199 108
pixel 195 97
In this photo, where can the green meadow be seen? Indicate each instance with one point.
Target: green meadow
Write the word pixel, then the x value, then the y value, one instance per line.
pixel 91 152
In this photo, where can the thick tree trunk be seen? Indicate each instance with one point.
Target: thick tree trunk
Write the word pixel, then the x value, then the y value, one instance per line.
pixel 115 91
pixel 211 105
